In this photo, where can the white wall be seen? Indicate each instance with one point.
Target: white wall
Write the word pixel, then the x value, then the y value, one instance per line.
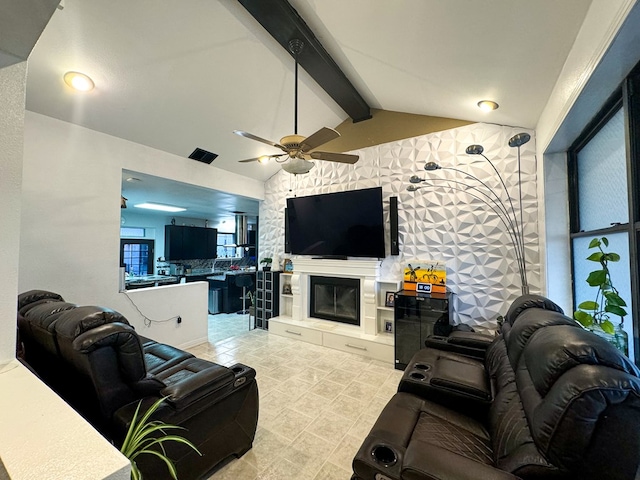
pixel 435 223
pixel 70 232
pixel 12 92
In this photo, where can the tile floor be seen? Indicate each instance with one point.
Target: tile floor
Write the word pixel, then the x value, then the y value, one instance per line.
pixel 316 405
pixel 227 325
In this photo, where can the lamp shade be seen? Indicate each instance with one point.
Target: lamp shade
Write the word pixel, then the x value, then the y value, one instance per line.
pixel 432 166
pixel 475 149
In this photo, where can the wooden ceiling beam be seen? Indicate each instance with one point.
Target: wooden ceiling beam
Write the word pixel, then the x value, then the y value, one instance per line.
pixel 283 23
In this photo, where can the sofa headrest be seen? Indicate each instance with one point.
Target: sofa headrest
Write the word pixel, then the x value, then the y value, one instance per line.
pixel 553 351
pixel 32 296
pixel 525 302
pixel 529 322
pixel 44 313
pixel 79 320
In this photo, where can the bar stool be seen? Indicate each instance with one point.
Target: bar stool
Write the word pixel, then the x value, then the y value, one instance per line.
pixel 244 281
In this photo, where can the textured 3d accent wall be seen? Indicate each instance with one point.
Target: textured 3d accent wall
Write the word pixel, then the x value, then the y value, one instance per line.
pixel 441 221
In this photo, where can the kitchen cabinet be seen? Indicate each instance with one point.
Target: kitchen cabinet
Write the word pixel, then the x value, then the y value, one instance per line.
pixel 415 315
pixel 189 243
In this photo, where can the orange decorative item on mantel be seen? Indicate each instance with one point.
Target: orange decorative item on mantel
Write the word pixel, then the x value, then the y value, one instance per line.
pixel 426 276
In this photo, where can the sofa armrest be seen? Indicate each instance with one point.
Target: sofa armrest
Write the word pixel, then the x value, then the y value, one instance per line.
pixel 195 379
pixel 427 461
pixel 470 344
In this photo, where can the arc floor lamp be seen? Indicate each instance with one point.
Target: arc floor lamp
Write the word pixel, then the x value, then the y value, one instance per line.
pixel 501 202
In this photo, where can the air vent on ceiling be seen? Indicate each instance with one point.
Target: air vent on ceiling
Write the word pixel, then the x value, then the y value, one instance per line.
pixel 203 156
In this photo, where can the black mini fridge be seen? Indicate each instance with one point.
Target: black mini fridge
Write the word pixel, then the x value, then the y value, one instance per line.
pixel 415 317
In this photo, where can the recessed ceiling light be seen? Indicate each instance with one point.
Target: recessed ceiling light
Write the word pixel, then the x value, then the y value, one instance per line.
pixel 159 206
pixel 79 81
pixel 488 105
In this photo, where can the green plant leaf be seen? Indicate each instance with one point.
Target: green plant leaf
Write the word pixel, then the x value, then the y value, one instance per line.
pixel 595 257
pixel 614 299
pixel 594 243
pixel 605 241
pixel 170 466
pixel 608 327
pixel 612 257
pixel 597 278
pixel 621 312
pixel 585 319
pixel 589 305
pixel 143 436
pixel 136 474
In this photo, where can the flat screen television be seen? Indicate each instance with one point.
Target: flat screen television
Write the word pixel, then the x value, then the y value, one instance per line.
pixel 337 225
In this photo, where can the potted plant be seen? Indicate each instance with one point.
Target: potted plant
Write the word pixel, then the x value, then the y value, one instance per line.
pixel 267 263
pixel 147 437
pixel 595 315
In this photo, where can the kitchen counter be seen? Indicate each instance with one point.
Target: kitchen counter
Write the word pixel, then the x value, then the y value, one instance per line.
pixel 150 281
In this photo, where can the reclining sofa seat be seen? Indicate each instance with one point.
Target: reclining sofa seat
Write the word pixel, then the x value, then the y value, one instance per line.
pixel 564 404
pixel 95 360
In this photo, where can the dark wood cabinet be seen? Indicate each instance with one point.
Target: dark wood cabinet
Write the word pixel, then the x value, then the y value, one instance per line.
pixel 267 297
pixel 415 315
pixel 189 243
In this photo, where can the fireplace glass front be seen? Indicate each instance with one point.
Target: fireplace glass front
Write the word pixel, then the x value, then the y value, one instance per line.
pixel 336 299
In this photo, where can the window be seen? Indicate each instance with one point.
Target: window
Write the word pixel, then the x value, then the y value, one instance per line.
pixel 127 232
pixel 224 239
pixel 137 256
pixel 604 200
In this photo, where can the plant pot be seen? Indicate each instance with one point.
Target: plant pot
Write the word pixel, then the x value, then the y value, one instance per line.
pixel 266 269
pixel 619 339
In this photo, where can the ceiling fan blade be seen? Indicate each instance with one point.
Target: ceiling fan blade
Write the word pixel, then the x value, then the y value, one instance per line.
pixel 262 158
pixel 258 139
pixel 335 157
pixel 321 137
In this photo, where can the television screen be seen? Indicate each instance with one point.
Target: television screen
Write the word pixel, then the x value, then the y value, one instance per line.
pixel 341 224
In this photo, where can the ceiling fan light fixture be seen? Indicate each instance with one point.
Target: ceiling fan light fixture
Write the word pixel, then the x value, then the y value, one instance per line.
pixel 488 105
pixel 264 159
pixel 79 81
pixel 298 166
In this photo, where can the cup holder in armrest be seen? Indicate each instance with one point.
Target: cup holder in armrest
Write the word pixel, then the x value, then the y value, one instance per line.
pixel 422 366
pixel 237 369
pixel 384 455
pixel 417 376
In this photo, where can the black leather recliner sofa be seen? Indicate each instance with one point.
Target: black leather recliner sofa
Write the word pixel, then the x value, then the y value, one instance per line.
pixel 95 360
pixel 549 400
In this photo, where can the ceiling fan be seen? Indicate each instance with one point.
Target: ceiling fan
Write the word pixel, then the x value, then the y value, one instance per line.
pixel 298 149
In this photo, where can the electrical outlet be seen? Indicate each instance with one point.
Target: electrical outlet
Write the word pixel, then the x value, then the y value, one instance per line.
pixel 179 319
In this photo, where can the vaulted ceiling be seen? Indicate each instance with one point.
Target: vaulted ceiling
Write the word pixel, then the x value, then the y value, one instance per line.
pixel 176 76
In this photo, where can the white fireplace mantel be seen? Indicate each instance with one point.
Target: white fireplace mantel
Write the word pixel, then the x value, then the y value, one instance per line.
pixel 364 339
pixel 337 268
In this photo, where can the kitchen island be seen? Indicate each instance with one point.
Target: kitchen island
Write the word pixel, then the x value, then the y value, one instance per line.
pixel 230 295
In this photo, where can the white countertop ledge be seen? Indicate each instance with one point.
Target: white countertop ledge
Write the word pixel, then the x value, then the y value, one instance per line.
pixel 43 437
